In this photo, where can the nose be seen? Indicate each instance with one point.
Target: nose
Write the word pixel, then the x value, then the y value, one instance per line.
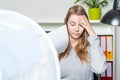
pixel 77 28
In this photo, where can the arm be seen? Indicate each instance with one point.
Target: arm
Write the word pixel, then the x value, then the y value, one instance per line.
pixel 97 57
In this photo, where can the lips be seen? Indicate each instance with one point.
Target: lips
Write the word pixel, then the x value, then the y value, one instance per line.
pixel 76 34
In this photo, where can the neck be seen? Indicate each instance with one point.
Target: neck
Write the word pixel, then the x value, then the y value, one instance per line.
pixel 73 42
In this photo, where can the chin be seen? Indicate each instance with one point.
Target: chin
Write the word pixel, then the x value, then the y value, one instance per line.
pixel 76 37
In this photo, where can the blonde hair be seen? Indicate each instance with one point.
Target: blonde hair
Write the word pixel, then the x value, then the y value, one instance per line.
pixel 81 47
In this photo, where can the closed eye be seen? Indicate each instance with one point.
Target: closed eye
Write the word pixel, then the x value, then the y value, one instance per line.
pixel 72 24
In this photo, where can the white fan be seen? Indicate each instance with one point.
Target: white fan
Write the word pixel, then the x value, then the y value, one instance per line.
pixel 0 74
pixel 26 52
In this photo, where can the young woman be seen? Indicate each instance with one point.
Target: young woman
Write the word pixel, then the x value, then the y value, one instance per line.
pixel 83 55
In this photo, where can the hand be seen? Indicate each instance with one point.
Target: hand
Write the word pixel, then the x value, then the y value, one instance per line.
pixel 84 23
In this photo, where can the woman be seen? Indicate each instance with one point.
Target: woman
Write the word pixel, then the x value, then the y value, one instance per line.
pixel 83 55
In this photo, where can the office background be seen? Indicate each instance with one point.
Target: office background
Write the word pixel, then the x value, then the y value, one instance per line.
pixel 50 15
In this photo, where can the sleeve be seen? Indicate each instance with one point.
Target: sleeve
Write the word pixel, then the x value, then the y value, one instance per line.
pixel 97 57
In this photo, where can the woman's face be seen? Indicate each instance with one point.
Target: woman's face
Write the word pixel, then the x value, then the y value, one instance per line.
pixel 74 27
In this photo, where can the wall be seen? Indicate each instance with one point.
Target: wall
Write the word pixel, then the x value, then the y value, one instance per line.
pixel 43 10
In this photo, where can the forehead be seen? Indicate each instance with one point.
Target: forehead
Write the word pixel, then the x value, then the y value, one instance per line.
pixel 75 17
